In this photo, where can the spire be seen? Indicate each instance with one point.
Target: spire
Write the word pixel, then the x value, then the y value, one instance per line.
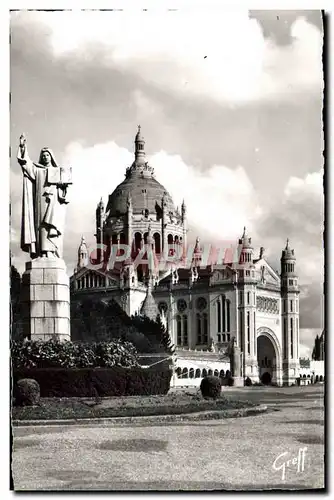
pixel 288 252
pixel 245 241
pixel 149 307
pixel 82 254
pixel 139 147
pixel 101 204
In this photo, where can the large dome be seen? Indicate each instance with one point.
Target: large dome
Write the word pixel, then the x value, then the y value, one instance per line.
pixel 140 186
pixel 145 192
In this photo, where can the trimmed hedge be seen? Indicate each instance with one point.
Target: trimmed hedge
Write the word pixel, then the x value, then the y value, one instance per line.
pixel 103 382
pixel 211 387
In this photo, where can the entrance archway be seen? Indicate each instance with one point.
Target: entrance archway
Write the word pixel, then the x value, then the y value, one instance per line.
pixel 267 357
pixel 266 378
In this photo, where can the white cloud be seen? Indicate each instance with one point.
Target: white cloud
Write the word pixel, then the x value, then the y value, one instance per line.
pixel 212 52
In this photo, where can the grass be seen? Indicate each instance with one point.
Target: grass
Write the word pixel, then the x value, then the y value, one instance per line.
pixel 75 408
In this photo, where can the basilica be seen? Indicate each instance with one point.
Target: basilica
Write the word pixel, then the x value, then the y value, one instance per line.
pixel 142 260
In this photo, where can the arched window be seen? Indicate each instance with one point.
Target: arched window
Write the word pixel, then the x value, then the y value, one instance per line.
pixel 202 328
pixel 228 315
pixel 179 330
pixel 178 372
pixel 157 243
pixel 210 372
pixel 137 242
pixel 198 373
pixel 191 373
pixel 248 332
pixel 320 378
pixel 199 328
pixel 316 378
pixel 216 373
pixel 219 316
pixel 204 372
pixel 205 328
pixel 185 373
pixel 170 243
pixel 308 376
pixel 182 330
pixel 304 376
pixel 224 312
pixel 185 330
pixel 221 373
pixel 228 373
pixel 291 339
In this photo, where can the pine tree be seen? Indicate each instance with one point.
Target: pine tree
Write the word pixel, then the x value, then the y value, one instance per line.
pixel 316 349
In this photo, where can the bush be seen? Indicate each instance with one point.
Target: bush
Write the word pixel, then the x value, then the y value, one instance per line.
pixel 102 382
pixel 248 382
pixel 211 387
pixel 54 354
pixel 230 381
pixel 26 392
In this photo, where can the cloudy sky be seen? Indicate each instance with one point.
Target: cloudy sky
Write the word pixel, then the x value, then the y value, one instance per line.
pixel 230 105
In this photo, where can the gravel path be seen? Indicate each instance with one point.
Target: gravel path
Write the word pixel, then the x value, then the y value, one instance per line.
pixel 231 454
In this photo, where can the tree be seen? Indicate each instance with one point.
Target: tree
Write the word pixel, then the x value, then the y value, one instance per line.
pixel 15 304
pixel 316 353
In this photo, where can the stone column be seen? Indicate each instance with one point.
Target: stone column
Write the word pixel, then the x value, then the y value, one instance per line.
pixel 46 299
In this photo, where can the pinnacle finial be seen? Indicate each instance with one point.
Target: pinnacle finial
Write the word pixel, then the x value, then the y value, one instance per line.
pixel 244 233
pixel 287 243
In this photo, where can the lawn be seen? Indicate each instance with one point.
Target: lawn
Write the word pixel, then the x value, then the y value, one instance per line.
pixel 133 406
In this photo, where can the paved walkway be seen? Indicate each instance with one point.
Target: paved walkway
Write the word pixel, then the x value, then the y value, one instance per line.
pixel 229 454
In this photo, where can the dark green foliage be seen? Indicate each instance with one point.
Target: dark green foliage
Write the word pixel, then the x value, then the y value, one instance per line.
pixel 38 354
pixel 248 382
pixel 211 387
pixel 97 321
pixel 103 382
pixel 316 353
pixel 16 324
pixel 26 392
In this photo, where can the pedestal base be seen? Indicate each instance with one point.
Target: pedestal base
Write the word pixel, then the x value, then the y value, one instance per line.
pixel 46 299
pixel 238 382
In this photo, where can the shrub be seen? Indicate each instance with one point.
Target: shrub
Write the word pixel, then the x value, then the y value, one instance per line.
pixel 54 354
pixel 230 381
pixel 248 382
pixel 211 387
pixel 26 392
pixel 102 382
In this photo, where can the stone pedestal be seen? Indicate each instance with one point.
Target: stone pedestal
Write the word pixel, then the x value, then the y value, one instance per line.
pixel 46 299
pixel 238 382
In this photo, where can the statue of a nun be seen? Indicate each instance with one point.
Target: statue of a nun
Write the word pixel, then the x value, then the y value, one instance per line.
pixel 44 202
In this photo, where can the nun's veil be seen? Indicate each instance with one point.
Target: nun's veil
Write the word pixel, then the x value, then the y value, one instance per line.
pixel 53 160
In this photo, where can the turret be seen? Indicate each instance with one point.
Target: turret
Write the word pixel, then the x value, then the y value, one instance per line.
pixel 99 229
pixel 139 147
pixel 82 254
pixel 246 338
pixel 164 244
pixel 246 249
pixel 184 229
pixel 290 315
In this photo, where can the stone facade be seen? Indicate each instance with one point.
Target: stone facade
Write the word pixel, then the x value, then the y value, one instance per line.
pixel 204 306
